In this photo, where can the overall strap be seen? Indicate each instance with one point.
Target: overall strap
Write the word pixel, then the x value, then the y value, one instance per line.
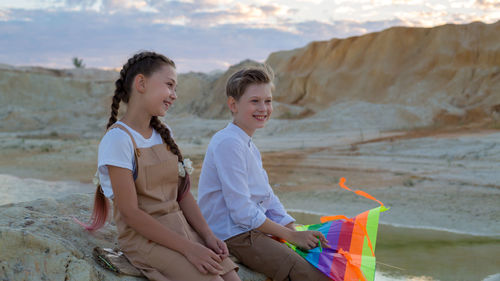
pixel 137 153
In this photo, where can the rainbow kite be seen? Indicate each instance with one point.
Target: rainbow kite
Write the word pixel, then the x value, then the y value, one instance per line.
pixel 351 252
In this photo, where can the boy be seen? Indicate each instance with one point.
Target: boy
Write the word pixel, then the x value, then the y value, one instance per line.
pixel 234 194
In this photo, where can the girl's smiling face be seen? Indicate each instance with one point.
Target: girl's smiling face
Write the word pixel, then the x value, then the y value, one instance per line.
pixel 161 87
pixel 254 107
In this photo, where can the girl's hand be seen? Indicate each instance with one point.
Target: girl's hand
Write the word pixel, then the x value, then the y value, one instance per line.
pixel 217 245
pixel 204 259
pixel 308 240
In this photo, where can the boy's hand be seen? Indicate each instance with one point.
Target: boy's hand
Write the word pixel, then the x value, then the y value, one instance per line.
pixel 291 226
pixel 308 240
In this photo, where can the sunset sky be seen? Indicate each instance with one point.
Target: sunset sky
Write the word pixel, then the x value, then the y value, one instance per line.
pixel 204 35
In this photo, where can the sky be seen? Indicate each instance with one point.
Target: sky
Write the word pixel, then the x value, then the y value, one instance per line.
pixel 204 35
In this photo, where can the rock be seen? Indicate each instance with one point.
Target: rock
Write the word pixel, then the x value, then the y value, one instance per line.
pixel 37 98
pixel 451 67
pixel 39 240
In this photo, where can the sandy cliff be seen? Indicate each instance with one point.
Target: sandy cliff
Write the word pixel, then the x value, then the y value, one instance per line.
pixel 204 95
pixel 397 78
pixel 450 68
pixel 35 98
pixel 420 76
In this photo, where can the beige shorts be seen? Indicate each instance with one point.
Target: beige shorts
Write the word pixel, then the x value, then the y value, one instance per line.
pixel 274 259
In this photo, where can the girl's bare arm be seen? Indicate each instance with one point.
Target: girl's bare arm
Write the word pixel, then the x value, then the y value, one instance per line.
pixel 193 215
pixel 197 221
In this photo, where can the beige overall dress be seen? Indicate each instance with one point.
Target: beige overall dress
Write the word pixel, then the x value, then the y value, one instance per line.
pixel 157 188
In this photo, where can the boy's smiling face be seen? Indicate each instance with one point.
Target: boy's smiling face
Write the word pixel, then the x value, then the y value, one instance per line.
pixel 254 107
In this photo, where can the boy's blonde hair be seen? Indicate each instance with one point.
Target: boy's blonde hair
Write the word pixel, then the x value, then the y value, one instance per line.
pixel 240 80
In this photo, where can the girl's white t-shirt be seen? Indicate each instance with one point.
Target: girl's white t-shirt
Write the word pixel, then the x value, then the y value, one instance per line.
pixel 116 149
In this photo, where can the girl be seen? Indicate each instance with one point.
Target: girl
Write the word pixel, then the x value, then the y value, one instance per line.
pixel 234 193
pixel 160 226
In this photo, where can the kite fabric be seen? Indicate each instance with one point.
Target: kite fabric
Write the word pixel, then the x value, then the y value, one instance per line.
pixel 351 252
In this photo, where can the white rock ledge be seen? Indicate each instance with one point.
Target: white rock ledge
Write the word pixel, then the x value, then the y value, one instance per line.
pixel 40 241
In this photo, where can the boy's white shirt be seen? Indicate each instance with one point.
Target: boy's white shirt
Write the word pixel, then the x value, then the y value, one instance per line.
pixel 116 149
pixel 234 194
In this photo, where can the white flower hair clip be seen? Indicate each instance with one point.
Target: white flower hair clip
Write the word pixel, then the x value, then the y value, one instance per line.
pixel 185 166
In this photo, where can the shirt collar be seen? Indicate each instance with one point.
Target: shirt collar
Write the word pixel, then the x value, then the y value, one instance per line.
pixel 244 136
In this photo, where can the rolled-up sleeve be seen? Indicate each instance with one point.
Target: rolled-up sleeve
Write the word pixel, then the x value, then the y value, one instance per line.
pixel 231 164
pixel 277 213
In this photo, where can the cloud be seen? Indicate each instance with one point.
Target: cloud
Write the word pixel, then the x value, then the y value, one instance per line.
pixel 103 6
pixel 238 14
pixel 80 3
pixel 173 8
pixel 343 29
pixel 212 13
pixel 205 13
pixel 4 15
pixel 486 4
pixel 116 5
pixel 200 35
pixel 433 17
pixel 274 10
pixel 52 38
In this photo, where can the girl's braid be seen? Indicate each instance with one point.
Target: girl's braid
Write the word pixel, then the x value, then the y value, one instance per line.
pixel 184 182
pixel 165 134
pixel 117 97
